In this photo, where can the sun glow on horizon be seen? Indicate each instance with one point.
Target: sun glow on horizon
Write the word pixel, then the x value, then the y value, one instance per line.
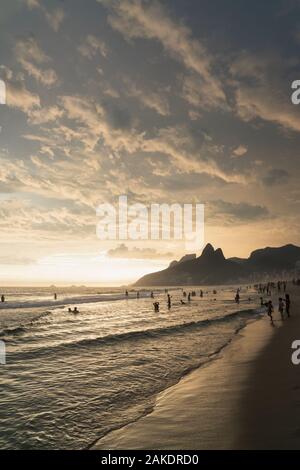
pixel 80 269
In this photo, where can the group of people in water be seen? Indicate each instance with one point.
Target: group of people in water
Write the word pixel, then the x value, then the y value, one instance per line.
pixel 75 310
pixel 189 295
pixel 281 286
pixel 267 288
pixel 284 303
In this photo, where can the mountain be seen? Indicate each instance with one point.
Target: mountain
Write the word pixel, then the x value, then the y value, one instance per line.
pixel 211 267
pixel 269 259
pixel 183 259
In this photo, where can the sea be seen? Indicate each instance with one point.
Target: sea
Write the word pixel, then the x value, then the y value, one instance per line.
pixel 71 378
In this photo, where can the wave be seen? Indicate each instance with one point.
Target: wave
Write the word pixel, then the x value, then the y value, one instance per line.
pixel 12 331
pixel 150 333
pixel 70 301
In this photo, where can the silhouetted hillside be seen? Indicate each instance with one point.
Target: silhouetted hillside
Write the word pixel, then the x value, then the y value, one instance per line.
pixel 211 267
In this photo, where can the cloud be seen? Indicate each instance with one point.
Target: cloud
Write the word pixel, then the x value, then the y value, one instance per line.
pixel 91 46
pixel 45 114
pixel 113 124
pixel 54 17
pixel 275 177
pixel 152 100
pixel 31 57
pixel 240 151
pixel 150 20
pixel 198 93
pixel 122 251
pixel 15 260
pixel 225 212
pixel 20 217
pixel 261 89
pixel 17 95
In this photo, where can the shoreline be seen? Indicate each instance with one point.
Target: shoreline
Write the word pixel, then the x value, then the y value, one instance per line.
pixel 219 405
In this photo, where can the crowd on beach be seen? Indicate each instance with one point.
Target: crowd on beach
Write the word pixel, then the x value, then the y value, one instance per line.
pixel 284 300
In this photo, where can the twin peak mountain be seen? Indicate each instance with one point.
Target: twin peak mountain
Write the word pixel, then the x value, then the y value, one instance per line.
pixel 211 267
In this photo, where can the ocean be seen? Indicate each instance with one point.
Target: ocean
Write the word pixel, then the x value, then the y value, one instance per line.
pixel 70 378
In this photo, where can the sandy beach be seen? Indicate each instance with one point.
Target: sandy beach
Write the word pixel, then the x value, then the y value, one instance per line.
pixel 246 398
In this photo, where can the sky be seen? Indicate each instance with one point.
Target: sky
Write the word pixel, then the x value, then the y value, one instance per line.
pixel 163 101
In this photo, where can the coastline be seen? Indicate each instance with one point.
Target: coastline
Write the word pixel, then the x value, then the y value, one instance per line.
pixel 229 403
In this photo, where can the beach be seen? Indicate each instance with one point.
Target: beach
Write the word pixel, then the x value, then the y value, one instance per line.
pixel 247 398
pixel 72 378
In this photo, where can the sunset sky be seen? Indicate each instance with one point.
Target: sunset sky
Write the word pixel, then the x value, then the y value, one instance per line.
pixel 174 101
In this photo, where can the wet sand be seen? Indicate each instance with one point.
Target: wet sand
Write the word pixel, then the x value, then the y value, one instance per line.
pixel 247 398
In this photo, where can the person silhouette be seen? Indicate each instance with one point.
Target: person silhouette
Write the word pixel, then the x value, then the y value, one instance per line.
pixel 280 307
pixel 270 310
pixel 287 304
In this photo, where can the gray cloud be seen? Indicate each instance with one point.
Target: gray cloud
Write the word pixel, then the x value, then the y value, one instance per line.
pixel 33 60
pixel 54 17
pixel 229 212
pixel 276 176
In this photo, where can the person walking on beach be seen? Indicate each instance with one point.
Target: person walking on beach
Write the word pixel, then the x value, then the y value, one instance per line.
pixel 280 306
pixel 237 297
pixel 287 304
pixel 270 310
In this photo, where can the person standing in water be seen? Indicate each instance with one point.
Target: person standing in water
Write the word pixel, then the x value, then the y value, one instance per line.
pixel 137 295
pixel 237 297
pixel 280 307
pixel 126 294
pixel 156 306
pixel 55 296
pixel 270 310
pixel 287 304
pixel 169 301
pixel 189 297
pixel 2 298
